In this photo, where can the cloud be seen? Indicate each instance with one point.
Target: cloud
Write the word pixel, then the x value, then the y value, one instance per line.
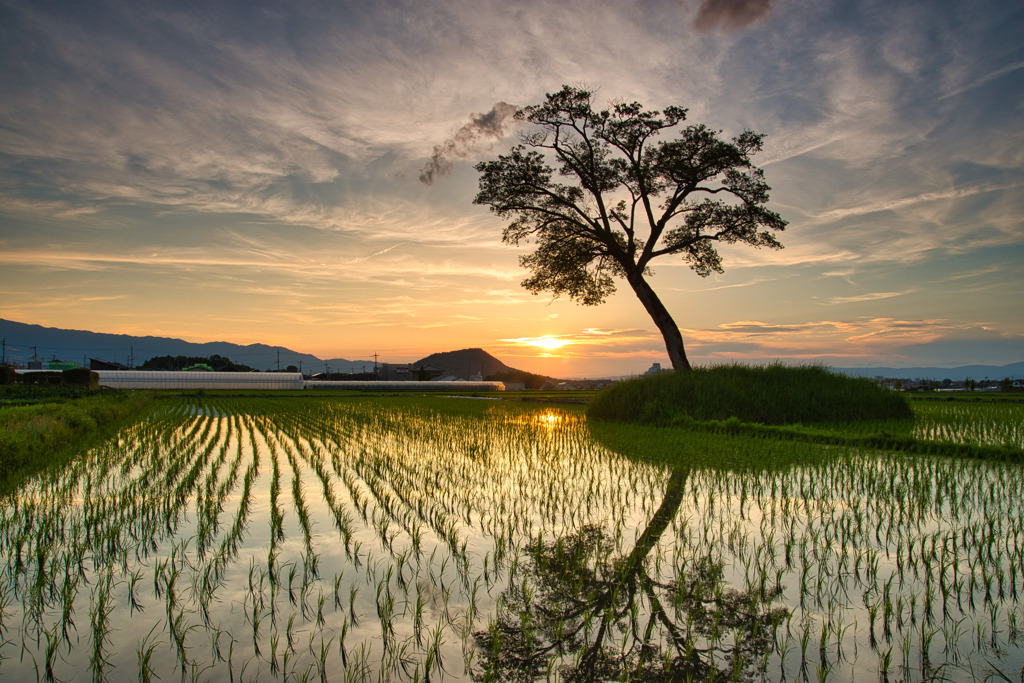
pixel 870 296
pixel 756 327
pixel 868 340
pixel 297 265
pixel 983 79
pixel 897 204
pixel 730 15
pixel 467 140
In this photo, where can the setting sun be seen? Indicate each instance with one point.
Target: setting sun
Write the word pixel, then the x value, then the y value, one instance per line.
pixel 546 343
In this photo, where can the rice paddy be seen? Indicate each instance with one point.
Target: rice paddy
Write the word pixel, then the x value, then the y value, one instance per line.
pixel 976 423
pixel 431 539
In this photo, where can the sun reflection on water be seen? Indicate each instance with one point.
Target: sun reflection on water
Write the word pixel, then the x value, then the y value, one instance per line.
pixel 548 420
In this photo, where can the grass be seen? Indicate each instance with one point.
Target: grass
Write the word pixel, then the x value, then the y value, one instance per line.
pixel 50 429
pixel 806 405
pixel 769 395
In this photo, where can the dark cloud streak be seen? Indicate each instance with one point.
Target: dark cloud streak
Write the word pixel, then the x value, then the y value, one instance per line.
pixel 467 140
pixel 731 15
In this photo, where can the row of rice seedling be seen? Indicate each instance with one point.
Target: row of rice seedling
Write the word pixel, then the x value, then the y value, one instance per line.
pixel 396 539
pixel 978 423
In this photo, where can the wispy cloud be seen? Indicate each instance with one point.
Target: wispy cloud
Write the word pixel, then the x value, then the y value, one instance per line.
pixel 869 296
pixel 984 79
pixel 334 269
pixel 242 153
pixel 949 194
pixel 859 341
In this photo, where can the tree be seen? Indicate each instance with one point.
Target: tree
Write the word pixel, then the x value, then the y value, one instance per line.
pixel 626 199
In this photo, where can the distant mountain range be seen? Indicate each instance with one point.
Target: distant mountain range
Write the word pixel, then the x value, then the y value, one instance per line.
pixel 1013 371
pixel 21 341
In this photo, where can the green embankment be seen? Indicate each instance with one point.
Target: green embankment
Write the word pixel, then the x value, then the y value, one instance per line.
pixel 44 430
pixel 778 403
pixel 769 395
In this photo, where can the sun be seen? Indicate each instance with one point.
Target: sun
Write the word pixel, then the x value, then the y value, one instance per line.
pixel 547 343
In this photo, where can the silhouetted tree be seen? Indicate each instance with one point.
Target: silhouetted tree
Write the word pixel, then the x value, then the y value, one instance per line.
pixel 625 200
pixel 533 382
pixel 219 363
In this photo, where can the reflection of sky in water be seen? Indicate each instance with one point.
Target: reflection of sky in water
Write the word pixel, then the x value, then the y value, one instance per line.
pixel 473 491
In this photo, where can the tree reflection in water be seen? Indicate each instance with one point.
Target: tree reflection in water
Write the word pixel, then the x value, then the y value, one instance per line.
pixel 597 617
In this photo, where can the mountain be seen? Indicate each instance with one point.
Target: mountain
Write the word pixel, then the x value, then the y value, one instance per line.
pixel 465 363
pixel 22 341
pixel 1013 370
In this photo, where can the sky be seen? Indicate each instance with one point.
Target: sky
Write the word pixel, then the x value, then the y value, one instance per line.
pixel 301 174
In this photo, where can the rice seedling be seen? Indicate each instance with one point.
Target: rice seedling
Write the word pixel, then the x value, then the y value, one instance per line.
pixel 439 519
pixel 974 423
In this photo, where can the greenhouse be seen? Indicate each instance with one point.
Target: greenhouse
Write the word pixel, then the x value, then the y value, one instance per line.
pixel 149 379
pixel 405 386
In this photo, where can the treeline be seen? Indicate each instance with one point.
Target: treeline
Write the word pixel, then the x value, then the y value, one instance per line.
pixel 81 378
pixel 214 362
pixel 533 382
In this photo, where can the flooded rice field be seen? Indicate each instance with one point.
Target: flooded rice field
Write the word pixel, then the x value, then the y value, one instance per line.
pixel 404 539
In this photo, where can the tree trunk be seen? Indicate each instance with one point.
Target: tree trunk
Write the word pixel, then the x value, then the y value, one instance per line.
pixel 631 567
pixel 660 315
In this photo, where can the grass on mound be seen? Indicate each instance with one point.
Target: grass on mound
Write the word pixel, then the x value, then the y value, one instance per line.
pixel 771 395
pixel 46 434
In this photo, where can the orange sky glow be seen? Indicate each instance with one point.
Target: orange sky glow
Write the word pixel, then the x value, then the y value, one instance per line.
pixel 309 183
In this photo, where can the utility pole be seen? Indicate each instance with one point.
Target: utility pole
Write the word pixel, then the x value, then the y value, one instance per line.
pixel 131 357
pixel 5 352
pixel 376 371
pixel 300 368
pixel 279 360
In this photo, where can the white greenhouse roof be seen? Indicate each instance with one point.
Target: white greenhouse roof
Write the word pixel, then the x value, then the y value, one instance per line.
pixel 156 379
pixel 432 385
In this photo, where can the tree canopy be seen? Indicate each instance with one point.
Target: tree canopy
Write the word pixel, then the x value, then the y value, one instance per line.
pixel 602 197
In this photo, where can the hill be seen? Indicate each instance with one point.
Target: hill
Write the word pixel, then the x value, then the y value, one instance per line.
pixel 465 363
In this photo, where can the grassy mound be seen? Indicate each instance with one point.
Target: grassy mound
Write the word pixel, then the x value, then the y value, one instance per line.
pixel 772 395
pixel 48 433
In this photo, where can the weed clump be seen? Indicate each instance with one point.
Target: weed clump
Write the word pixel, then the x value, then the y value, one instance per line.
pixel 772 394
